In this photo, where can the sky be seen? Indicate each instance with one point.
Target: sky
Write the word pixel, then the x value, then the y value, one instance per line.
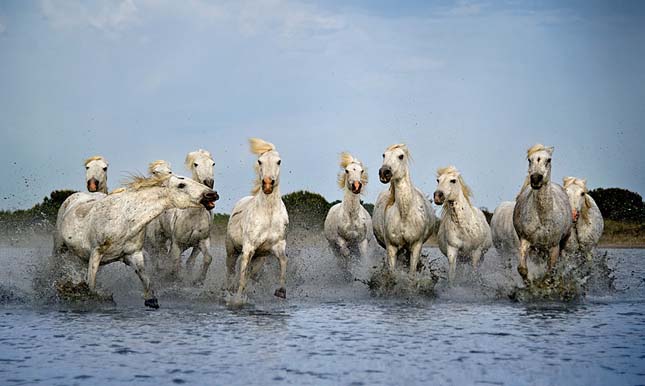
pixel 470 84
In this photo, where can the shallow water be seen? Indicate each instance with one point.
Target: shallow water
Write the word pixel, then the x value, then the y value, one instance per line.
pixel 326 332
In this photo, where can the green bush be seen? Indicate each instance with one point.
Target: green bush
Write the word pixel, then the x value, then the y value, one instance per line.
pixel 619 204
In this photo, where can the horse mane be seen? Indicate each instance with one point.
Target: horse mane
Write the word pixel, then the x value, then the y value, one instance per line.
pixel 401 146
pixel 94 158
pixel 464 187
pixel 259 146
pixel 155 164
pixel 345 160
pixel 538 147
pixel 190 157
pixel 139 182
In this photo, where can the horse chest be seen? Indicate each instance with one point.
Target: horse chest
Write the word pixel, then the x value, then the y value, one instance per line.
pixel 351 229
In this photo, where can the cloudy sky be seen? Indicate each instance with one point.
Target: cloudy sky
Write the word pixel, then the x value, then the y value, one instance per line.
pixel 466 83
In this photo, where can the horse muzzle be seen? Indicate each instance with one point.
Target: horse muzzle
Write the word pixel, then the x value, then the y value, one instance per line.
pixel 537 180
pixel 356 187
pixel 93 185
pixel 209 182
pixel 574 215
pixel 267 185
pixel 385 174
pixel 439 197
pixel 208 199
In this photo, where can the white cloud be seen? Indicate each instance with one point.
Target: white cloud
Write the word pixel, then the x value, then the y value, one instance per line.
pixel 109 17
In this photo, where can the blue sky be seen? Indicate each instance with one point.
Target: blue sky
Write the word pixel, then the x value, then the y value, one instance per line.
pixel 473 84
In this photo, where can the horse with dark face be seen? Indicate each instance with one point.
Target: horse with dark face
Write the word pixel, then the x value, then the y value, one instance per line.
pixel 542 213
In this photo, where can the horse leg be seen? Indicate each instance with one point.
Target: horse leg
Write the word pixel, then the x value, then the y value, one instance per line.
pixel 231 260
pixel 280 251
pixel 521 265
pixel 247 254
pixel 175 258
pixel 205 247
pixel 95 261
pixel 362 249
pixel 343 250
pixel 477 257
pixel 452 263
pixel 391 256
pixel 553 257
pixel 136 261
pixel 190 262
pixel 415 252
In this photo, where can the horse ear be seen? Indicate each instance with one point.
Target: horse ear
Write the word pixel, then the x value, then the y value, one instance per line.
pixel 550 150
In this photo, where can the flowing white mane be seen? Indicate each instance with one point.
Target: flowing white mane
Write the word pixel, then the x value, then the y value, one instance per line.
pixel 137 182
pixel 259 146
pixel 94 158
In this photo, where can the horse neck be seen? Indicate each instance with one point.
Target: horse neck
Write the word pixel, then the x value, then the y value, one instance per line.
pixel 268 202
pixel 461 211
pixel 155 202
pixel 104 188
pixel 404 194
pixel 543 199
pixel 351 203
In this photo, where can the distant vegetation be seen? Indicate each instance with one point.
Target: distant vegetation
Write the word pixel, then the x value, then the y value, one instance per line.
pixel 623 210
pixel 619 204
pixel 42 215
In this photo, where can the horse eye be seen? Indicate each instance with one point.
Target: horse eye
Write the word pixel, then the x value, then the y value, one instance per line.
pixel 105 169
pixel 538 159
pixel 181 185
pixel 383 155
pixel 346 171
pixel 548 160
pixel 437 180
pixel 195 164
pixel 401 156
pixel 259 162
pixel 279 162
pixel 453 181
pixel 87 168
pixel 582 194
pixel 213 164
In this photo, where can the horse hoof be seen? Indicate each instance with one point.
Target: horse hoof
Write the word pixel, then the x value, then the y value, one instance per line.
pixel 281 293
pixel 152 303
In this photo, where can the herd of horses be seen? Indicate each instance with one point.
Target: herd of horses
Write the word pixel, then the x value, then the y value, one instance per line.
pixel 165 214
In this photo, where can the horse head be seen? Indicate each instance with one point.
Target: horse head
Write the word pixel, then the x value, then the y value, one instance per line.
pixel 96 174
pixel 201 164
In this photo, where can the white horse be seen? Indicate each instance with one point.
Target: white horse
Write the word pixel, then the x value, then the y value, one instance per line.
pixel 188 228
pixel 96 181
pixel 503 232
pixel 588 223
pixel 463 231
pixel 348 226
pixel 542 214
pixel 96 174
pixel 112 228
pixel 258 223
pixel 403 217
